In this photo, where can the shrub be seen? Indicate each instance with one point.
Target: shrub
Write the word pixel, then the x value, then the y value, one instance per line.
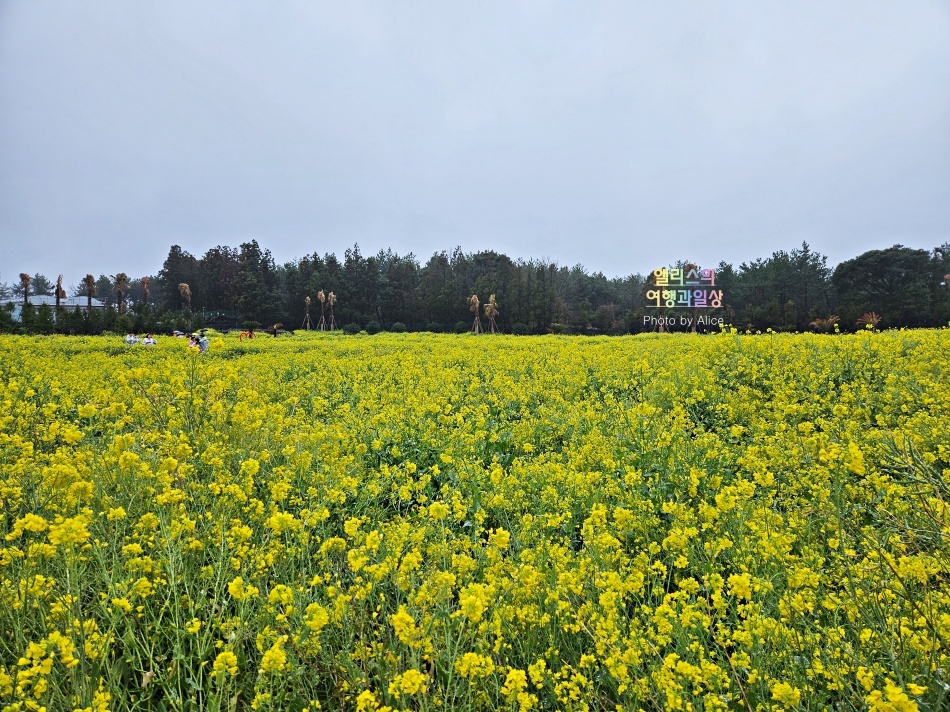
pixel 398 328
pixel 352 328
pixel 519 328
pixel 461 327
pixel 373 327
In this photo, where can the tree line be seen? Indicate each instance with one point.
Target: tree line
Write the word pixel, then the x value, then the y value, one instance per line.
pixel 242 286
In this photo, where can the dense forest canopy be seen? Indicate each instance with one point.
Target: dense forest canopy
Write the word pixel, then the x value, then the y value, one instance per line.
pixel 238 286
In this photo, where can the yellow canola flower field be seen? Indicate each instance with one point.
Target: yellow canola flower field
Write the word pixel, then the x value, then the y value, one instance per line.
pixel 427 522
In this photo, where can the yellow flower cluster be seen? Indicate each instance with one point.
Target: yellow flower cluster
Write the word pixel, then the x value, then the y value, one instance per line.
pixel 663 522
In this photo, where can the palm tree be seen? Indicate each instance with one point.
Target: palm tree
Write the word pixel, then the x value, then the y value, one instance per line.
pixel 60 292
pixel 90 283
pixel 25 280
pixel 331 300
pixel 824 324
pixel 491 311
pixel 307 324
pixel 146 288
pixel 121 288
pixel 322 298
pixel 185 291
pixel 473 307
pixel 869 320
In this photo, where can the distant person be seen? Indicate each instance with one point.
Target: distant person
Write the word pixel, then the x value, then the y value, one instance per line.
pixel 203 343
pixel 131 339
pixel 149 340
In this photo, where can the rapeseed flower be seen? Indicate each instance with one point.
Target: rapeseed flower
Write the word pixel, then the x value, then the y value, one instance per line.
pixel 410 682
pixel 66 532
pixel 640 522
pixel 275 659
pixel 226 663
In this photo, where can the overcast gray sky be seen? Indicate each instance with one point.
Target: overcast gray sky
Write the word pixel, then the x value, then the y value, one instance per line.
pixel 620 135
